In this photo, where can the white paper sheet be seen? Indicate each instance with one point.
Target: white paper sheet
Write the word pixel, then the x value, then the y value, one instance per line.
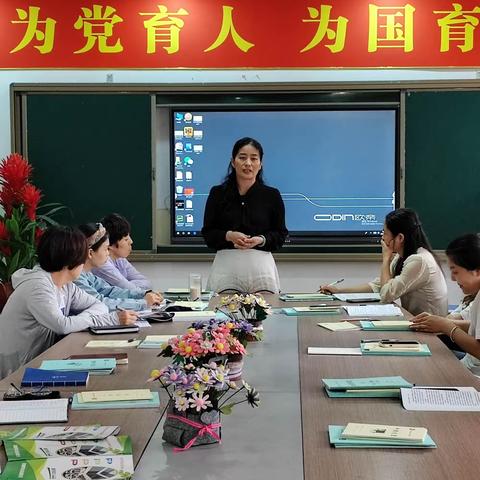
pixel 374 311
pixel 343 297
pixel 463 399
pixel 333 351
pixel 34 411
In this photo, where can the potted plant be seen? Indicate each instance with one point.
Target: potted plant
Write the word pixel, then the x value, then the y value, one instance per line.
pixel 197 382
pixel 20 223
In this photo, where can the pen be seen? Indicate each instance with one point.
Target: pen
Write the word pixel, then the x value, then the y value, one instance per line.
pixel 132 340
pixel 378 340
pixel 340 280
pixel 319 305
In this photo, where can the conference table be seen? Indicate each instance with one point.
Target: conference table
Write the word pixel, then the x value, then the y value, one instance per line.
pixel 286 437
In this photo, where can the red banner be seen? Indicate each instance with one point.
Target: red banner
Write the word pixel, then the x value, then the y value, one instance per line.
pixel 238 34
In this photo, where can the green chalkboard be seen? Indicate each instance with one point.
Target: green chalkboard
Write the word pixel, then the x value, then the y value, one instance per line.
pixel 92 153
pixel 442 162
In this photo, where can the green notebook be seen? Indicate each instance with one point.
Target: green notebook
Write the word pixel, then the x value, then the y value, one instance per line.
pixel 385 325
pixel 306 311
pixel 424 351
pixel 335 432
pixel 365 387
pixel 153 402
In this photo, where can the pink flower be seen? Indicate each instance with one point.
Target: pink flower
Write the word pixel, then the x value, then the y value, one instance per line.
pixel 199 402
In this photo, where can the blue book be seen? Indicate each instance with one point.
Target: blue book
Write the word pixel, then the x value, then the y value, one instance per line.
pixel 36 377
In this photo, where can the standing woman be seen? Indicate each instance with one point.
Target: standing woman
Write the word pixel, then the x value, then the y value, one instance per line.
pixel 244 222
pixel 409 270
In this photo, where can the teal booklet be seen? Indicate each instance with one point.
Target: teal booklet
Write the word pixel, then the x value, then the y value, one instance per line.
pixel 335 436
pixel 151 403
pixel 95 366
pixel 385 325
pixel 365 387
pixel 306 297
pixel 309 311
pixel 410 349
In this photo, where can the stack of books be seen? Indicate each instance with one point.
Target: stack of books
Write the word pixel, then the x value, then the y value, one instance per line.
pixel 110 399
pixel 364 435
pixel 314 310
pixel 385 325
pixel 365 387
pixel 94 366
pixel 72 452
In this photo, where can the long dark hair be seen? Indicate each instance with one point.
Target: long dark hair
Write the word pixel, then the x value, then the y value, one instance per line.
pixel 464 251
pixel 406 221
pixel 231 177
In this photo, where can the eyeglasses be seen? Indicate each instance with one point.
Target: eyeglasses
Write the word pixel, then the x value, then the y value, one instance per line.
pixel 41 393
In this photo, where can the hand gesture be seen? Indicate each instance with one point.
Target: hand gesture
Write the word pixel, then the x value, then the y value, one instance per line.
pixel 424 322
pixel 238 239
pixel 329 289
pixel 153 298
pixel 127 317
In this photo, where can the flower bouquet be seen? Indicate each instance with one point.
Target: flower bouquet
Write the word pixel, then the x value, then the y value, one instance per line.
pixel 21 224
pixel 198 385
pixel 250 307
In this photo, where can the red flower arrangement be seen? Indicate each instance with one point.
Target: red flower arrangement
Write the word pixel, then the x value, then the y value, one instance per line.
pixel 20 226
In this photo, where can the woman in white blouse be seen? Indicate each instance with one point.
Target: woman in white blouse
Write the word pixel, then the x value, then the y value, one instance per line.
pixel 409 270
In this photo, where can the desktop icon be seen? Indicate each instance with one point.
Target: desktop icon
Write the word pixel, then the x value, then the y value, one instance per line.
pixel 180 204
pixel 179 189
pixel 188 117
pixel 178 175
pixel 179 147
pixel 188 147
pixel 188 191
pixel 198 148
pixel 187 161
pixel 179 219
pixel 178 116
pixel 197 118
pixel 189 218
pixel 188 175
pixel 178 161
pixel 178 134
pixel 188 132
pixel 188 204
pixel 198 134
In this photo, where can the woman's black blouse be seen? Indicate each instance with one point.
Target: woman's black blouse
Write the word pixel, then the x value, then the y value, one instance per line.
pixel 259 212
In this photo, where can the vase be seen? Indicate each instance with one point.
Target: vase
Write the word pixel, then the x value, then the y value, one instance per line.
pixel 235 366
pixel 6 290
pixel 190 429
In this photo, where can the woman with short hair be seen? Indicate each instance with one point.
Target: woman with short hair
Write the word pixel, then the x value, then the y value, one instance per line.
pixel 46 304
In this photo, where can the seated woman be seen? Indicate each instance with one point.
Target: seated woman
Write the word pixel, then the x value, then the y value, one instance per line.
pixel 409 270
pixel 464 261
pixel 117 270
pixel 113 297
pixel 46 304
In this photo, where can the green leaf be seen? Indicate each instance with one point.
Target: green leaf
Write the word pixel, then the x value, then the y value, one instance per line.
pixel 227 409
